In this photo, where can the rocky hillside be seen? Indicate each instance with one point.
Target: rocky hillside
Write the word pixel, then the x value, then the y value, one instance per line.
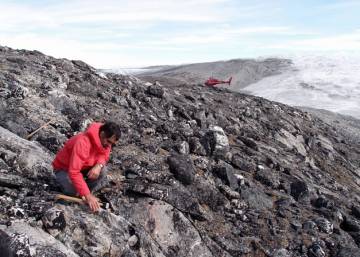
pixel 243 71
pixel 348 125
pixel 199 172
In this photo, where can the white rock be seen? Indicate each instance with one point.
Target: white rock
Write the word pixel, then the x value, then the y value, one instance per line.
pixel 221 140
pixel 133 240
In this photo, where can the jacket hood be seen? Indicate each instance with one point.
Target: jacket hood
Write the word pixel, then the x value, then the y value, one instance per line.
pixel 93 133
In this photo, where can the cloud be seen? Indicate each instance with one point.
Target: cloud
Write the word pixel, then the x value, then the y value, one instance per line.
pixel 115 12
pixel 225 35
pixel 269 30
pixel 344 42
pixel 340 4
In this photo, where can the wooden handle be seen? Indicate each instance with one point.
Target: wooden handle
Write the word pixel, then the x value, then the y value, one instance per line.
pixel 43 126
pixel 71 199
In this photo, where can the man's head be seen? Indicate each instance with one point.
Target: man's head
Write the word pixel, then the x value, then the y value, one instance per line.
pixel 109 134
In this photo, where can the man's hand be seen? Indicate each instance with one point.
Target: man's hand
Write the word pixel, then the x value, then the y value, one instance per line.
pixel 94 172
pixel 93 202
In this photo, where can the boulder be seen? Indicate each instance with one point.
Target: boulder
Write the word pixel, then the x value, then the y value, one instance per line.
pixel 182 168
pixel 27 241
pixel 299 190
pixel 30 158
pixel 225 172
pixel 324 225
pixel 215 140
pixel 200 118
pixel 290 141
pixel 54 221
pixel 196 147
pixel 310 226
pixel 155 90
pixel 268 177
pixel 183 147
pixel 249 142
pixel 322 202
pixel 315 250
pixel 242 163
pixel 256 199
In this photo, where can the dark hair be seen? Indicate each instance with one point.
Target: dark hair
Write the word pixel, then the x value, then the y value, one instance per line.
pixel 110 129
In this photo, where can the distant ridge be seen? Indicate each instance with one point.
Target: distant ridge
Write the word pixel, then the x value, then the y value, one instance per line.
pixel 243 71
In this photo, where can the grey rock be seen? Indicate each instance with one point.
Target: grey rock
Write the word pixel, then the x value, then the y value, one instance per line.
pixel 196 147
pixel 229 193
pixel 19 91
pixel 324 225
pixel 355 236
pixel 14 181
pixel 256 199
pixel 280 253
pixel 225 172
pixel 183 147
pixel 120 100
pixel 54 221
pixel 5 93
pixel 208 194
pixel 348 252
pixel 7 248
pixel 268 177
pixel 200 118
pixel 128 253
pixel 201 162
pixel 243 164
pixel 351 225
pixel 169 228
pixel 310 226
pixel 176 196
pixel 182 168
pixel 216 140
pixel 31 159
pixel 292 142
pixel 355 210
pixel 322 202
pixel 249 142
pixel 315 250
pixel 324 143
pixel 220 139
pixel 29 241
pixel 299 190
pixel 241 179
pixel 185 129
pixel 155 90
pixel 133 240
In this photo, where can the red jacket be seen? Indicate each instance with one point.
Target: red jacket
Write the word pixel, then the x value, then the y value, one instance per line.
pixel 81 152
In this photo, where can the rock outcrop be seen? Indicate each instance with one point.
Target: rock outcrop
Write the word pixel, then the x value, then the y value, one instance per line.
pixel 198 172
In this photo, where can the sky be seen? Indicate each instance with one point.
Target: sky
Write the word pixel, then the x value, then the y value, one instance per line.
pixel 135 33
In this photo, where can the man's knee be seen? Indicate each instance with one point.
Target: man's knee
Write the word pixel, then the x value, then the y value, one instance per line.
pixel 63 180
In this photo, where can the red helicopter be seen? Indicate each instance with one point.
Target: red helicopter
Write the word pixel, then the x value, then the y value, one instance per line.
pixel 213 81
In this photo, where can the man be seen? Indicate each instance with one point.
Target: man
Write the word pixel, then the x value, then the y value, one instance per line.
pixel 80 165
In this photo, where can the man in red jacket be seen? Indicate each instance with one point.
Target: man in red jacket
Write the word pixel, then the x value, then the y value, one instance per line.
pixel 80 165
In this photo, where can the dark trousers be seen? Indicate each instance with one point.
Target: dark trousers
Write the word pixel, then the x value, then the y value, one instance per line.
pixel 63 180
